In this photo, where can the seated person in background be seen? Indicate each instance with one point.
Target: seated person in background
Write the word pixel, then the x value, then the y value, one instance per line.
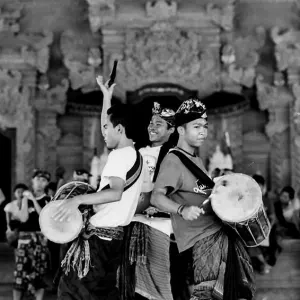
pixel 259 255
pixel 287 221
pixel 81 175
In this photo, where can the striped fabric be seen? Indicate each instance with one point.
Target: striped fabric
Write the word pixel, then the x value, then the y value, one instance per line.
pixel 153 279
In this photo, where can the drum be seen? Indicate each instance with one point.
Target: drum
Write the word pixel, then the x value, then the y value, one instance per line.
pixel 237 201
pixel 64 232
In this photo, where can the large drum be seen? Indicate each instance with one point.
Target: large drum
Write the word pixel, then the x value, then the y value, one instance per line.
pixel 64 232
pixel 237 201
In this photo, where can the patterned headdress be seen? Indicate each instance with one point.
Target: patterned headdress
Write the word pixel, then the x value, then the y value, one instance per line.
pixel 189 110
pixel 167 114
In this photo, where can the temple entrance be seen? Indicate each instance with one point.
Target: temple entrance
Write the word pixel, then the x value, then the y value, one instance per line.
pixel 7 174
pixel 168 95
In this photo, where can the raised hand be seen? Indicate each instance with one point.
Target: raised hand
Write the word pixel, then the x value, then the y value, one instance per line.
pixel 106 91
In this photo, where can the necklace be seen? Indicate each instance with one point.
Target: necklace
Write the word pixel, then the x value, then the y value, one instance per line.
pixel 193 155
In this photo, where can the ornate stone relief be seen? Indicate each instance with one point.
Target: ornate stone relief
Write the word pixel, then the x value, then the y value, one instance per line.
pixel 161 9
pixel 240 57
pixel 29 50
pixel 101 12
pixel 81 62
pixel 287 51
pixel 166 54
pixel 10 13
pixel 222 16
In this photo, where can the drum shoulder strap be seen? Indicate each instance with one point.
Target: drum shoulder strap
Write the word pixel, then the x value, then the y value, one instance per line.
pixel 193 168
pixel 133 174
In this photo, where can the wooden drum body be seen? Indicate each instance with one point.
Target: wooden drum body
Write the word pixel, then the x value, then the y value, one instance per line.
pixel 237 201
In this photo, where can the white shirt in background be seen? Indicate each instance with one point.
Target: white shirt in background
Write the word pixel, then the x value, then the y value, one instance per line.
pixel 119 213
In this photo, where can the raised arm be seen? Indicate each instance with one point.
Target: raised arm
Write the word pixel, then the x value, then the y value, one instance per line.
pixel 107 95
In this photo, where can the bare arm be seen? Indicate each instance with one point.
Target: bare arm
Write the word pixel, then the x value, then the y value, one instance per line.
pixel 24 215
pixel 162 202
pixel 107 95
pixel 8 218
pixel 112 194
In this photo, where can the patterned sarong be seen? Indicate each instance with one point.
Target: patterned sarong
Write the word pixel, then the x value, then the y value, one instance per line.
pixel 32 260
pixel 217 261
pixel 153 279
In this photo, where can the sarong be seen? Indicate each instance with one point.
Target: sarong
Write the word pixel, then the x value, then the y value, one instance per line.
pixel 153 279
pixel 221 262
pixel 100 282
pixel 32 260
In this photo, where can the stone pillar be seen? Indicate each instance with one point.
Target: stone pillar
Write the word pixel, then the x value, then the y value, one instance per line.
pixel 49 103
pixel 277 100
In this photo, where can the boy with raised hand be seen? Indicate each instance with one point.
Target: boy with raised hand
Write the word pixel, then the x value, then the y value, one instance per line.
pixel 91 263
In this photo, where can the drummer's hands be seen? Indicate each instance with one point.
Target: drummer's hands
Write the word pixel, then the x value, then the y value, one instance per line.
pixel 106 91
pixel 66 209
pixel 191 213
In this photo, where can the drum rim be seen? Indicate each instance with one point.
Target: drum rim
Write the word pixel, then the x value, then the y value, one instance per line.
pixel 74 182
pixel 42 213
pixel 237 220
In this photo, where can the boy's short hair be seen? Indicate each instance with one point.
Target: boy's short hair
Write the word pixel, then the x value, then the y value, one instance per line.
pixel 259 179
pixel 288 189
pixel 21 186
pixel 119 114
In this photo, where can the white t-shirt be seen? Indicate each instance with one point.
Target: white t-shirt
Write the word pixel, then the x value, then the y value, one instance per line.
pixel 14 209
pixel 150 155
pixel 119 213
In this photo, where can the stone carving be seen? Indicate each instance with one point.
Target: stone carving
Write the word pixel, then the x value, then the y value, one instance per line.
pixel 161 9
pixel 26 49
pixel 276 100
pixel 170 53
pixel 101 12
pixel 10 13
pixel 287 50
pixel 53 99
pixel 240 58
pixel 222 16
pixel 82 66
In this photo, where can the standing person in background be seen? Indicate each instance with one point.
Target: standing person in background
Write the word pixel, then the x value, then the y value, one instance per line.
pixel 32 253
pixel 222 268
pixel 12 211
pixel 2 216
pixel 59 174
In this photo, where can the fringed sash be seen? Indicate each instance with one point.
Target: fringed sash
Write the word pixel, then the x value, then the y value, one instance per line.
pixel 78 256
pixel 138 244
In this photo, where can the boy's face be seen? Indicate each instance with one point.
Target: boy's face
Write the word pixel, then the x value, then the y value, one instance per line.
pixel 19 193
pixel 284 198
pixel 39 183
pixel 195 132
pixel 111 134
pixel 158 130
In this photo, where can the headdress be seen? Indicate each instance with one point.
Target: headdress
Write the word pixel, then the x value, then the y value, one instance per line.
pixel 189 110
pixel 167 114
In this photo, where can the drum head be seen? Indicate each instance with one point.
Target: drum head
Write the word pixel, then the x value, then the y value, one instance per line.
pixel 56 231
pixel 236 197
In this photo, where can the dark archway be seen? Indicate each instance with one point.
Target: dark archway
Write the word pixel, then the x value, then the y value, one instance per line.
pixel 7 174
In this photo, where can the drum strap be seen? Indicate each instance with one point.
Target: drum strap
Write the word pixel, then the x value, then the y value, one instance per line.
pixel 133 174
pixel 194 169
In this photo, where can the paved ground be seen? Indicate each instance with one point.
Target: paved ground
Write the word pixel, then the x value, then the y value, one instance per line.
pixel 283 282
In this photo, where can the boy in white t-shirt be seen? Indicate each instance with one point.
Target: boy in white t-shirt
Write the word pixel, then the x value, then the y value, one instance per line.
pixel 114 206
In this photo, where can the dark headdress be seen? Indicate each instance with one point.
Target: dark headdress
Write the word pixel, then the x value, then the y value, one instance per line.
pixel 167 114
pixel 189 110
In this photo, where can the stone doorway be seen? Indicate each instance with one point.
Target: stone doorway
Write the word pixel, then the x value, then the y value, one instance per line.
pixel 7 174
